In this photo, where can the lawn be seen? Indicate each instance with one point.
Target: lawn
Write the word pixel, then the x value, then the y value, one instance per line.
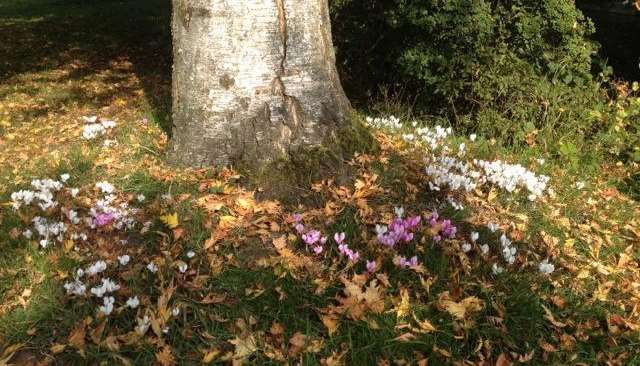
pixel 160 265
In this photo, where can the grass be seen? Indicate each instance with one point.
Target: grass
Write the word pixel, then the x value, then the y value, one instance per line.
pixel 112 59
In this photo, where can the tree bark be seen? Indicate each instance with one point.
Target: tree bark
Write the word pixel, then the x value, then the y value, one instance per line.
pixel 253 80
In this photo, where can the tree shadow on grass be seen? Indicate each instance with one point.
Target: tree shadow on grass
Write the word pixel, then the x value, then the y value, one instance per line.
pixel 87 37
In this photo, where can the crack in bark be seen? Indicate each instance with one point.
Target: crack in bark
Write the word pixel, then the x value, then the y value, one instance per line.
pixel 290 102
pixel 282 19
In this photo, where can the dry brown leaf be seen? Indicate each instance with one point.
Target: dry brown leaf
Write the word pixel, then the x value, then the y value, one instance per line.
pixel 165 356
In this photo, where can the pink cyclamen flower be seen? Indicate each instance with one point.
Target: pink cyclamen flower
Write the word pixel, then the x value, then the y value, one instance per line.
pixel 311 237
pixel 299 228
pixel 339 238
pixel 371 266
pixel 104 219
pixel 318 249
pixel 297 217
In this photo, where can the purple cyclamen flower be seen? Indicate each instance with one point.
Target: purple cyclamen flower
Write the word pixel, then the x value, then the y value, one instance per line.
pixel 371 266
pixel 104 219
pixel 311 237
pixel 339 238
pixel 299 228
pixel 413 262
pixel 297 217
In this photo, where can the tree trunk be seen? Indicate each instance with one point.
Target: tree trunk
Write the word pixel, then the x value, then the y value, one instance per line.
pixel 253 80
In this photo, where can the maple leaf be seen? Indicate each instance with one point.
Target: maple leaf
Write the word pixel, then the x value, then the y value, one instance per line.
pixel 459 310
pixel 403 307
pixel 171 220
pixel 165 356
pixel 245 346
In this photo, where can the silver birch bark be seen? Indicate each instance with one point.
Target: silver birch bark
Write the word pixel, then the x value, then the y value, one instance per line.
pixel 253 80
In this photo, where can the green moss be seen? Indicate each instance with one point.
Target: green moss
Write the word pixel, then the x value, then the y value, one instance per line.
pixel 289 178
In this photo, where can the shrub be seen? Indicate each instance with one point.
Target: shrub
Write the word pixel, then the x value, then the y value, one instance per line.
pixel 517 70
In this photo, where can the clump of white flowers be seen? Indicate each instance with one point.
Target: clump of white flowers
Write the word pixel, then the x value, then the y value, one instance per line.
pixel 390 123
pixel 456 173
pixel 107 286
pixel 508 250
pixel 95 127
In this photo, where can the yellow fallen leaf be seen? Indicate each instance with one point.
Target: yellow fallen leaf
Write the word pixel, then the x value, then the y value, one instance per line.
pixel 170 220
pixel 211 355
pixel 57 348
pixel 403 307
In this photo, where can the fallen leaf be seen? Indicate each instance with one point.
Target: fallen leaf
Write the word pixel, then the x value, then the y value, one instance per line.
pixel 171 220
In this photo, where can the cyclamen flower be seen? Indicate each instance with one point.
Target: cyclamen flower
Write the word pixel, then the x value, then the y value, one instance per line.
pixel 105 187
pixel 64 177
pixel 175 311
pixel 371 266
pixel 492 227
pixel 191 254
pixel 76 288
pixel 103 219
pixel 413 262
pixel 545 267
pixel 124 259
pixel 183 267
pixel 96 268
pixel 339 238
pixel 152 267
pixel 497 269
pixel 133 302
pixel 141 197
pixel 484 248
pixel 399 230
pixel 107 286
pixel 399 211
pixel 311 237
pixel 299 228
pixel 474 236
pixel 107 308
pixel 466 247
pixel 297 217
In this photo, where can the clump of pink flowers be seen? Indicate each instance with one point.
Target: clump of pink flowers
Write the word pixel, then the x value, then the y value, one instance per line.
pixel 399 230
pixel 312 238
pixel 344 249
pixel 442 228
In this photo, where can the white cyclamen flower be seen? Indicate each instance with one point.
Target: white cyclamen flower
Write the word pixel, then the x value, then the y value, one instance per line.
pixel 141 197
pixel 474 236
pixel 124 259
pixel 107 308
pixel 484 248
pixel 152 267
pixel 96 268
pixel 133 302
pixel 497 269
pixel 191 254
pixel 105 187
pixel 545 267
pixel 182 267
pixel 466 247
